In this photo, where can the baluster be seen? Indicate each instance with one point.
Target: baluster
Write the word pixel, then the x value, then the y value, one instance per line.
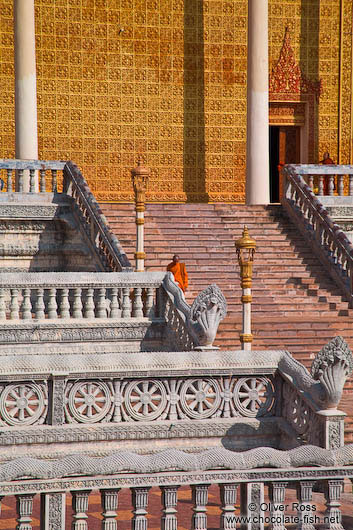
pixel 26 305
pixel 39 305
pixel 42 181
pixel 340 185
pixel 53 508
pixel 24 508
pixel 2 305
pixel 137 310
pixel 80 507
pixel 199 499
pixel 150 303
pixel 228 500
pixel 109 505
pixel 32 183
pixel 350 190
pixel 321 185
pixel 311 182
pixel 20 180
pixel 169 501
pixel 14 307
pixel 333 517
pixel 64 303
pixel 101 304
pixel 89 304
pixel 305 513
pixel 252 496
pixel 331 184
pixel 126 313
pixel 139 502
pixel 115 311
pixel 52 305
pixel 9 181
pixel 77 304
pixel 54 184
pixel 277 494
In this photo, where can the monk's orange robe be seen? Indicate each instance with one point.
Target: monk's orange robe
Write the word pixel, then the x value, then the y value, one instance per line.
pixel 180 274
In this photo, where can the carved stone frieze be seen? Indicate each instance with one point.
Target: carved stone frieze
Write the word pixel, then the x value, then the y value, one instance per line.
pixel 175 460
pixel 119 431
pixel 168 399
pixel 178 478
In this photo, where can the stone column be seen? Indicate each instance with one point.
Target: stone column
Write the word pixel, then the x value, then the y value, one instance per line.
pixel 257 172
pixel 25 82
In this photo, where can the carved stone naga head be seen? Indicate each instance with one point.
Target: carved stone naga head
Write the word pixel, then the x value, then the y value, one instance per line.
pixel 207 310
pixel 332 365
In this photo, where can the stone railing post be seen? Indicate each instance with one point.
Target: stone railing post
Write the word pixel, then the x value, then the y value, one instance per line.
pixel 140 176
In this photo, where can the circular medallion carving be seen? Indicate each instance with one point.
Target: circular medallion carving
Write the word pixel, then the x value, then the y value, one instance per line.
pixel 200 398
pixel 89 402
pixel 22 404
pixel 145 400
pixel 253 396
pixel 296 411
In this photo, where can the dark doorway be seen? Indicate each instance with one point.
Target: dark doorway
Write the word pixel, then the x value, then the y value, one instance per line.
pixel 274 161
pixel 284 149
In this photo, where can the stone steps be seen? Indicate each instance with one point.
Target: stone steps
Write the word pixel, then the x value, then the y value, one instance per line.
pixel 296 306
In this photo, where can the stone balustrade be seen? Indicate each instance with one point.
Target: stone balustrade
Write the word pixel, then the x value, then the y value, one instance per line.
pixel 327 239
pixel 66 178
pixel 28 296
pixel 13 173
pixel 51 397
pixel 243 480
pixel 323 178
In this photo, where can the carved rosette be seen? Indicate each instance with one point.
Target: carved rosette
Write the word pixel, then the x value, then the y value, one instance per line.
pixel 253 396
pixel 200 398
pixel 207 311
pixel 24 404
pixel 145 400
pixel 88 402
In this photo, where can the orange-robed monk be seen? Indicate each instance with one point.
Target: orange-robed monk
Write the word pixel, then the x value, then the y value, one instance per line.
pixel 179 271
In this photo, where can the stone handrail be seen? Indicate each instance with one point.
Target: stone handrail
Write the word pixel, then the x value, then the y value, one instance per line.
pixel 244 473
pixel 104 242
pixel 327 239
pixel 95 223
pixel 78 295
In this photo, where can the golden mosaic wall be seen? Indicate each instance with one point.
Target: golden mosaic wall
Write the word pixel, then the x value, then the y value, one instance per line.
pixel 167 79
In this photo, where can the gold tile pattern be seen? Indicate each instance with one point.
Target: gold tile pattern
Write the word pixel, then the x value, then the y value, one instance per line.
pixel 166 79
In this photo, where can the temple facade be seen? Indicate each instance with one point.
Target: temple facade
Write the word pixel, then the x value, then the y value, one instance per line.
pixel 167 80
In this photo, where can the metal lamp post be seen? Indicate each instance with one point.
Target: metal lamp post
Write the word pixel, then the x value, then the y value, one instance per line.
pixel 140 175
pixel 245 247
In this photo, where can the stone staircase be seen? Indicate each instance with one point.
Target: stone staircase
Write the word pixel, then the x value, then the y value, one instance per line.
pixel 296 306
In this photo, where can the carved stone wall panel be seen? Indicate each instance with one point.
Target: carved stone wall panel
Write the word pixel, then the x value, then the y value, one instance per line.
pixel 116 80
